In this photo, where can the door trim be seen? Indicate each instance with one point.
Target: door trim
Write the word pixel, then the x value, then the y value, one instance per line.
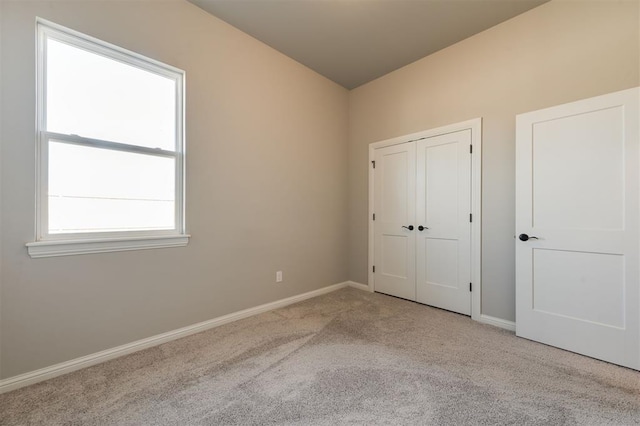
pixel 475 125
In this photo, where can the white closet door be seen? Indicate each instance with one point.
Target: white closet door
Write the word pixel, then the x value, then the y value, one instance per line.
pixel 443 206
pixel 395 212
pixel 577 218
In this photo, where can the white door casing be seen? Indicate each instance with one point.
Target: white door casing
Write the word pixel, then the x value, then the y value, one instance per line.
pixel 443 208
pixel 577 191
pixel 395 171
pixel 472 130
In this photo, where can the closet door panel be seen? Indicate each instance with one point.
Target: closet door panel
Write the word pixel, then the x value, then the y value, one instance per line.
pixel 443 205
pixel 394 207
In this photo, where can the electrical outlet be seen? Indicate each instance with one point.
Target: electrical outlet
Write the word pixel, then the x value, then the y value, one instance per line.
pixel 279 276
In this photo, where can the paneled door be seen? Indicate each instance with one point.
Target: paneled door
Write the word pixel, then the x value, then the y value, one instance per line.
pixel 577 219
pixel 395 255
pixel 443 237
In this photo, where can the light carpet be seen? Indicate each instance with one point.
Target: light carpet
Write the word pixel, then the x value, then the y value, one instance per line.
pixel 348 357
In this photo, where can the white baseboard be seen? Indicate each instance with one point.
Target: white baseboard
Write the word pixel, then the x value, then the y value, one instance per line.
pixel 359 286
pixel 498 322
pixel 56 370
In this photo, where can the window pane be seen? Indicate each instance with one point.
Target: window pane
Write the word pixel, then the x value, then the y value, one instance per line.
pixel 99 190
pixel 97 97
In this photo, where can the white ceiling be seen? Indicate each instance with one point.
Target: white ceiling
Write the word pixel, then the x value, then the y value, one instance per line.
pixel 355 41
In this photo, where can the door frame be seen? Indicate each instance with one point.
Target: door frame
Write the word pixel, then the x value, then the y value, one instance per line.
pixel 475 125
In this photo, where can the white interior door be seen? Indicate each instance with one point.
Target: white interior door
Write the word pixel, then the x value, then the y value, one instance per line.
pixel 577 190
pixel 443 206
pixel 395 174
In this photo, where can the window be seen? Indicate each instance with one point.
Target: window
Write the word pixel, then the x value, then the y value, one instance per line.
pixel 110 147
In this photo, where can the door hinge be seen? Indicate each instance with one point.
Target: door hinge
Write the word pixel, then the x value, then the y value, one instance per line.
pixel 374 164
pixel 470 149
pixel 374 216
pixel 374 269
pixel 470 217
pixel 470 287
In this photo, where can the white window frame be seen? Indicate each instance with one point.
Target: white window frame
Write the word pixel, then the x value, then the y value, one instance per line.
pixel 46 244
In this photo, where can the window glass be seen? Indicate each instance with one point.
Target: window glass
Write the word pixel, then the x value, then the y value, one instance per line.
pixel 94 96
pixel 99 190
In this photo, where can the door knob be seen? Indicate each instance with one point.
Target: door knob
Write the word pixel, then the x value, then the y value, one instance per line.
pixel 422 228
pixel 525 237
pixel 410 227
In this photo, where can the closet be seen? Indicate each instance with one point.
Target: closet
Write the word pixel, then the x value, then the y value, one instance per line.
pixel 422 219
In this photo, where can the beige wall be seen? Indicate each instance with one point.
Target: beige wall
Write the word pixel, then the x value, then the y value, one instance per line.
pixel 559 52
pixel 266 187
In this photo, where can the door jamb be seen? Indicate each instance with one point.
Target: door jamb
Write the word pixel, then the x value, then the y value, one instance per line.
pixel 475 125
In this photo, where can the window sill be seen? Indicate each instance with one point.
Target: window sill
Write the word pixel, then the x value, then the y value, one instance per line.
pixel 40 249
